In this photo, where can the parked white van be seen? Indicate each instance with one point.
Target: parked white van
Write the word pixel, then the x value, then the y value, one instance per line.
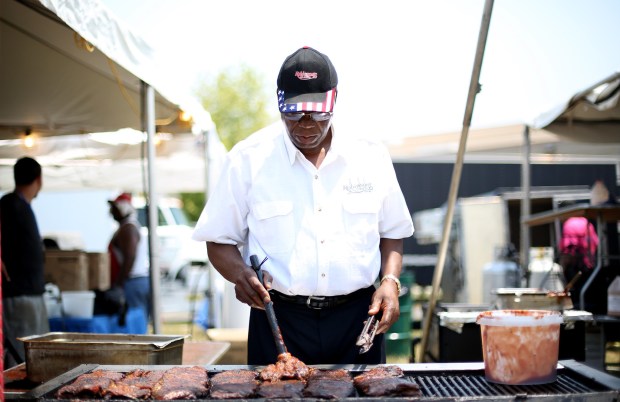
pixel 177 251
pixel 81 220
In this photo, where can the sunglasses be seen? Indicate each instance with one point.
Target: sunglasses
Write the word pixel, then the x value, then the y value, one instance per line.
pixel 316 116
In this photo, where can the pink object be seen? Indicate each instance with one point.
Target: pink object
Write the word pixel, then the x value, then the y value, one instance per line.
pixel 579 238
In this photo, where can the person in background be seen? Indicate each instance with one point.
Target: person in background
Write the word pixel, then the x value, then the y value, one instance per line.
pixel 578 247
pixel 327 211
pixel 23 283
pixel 129 256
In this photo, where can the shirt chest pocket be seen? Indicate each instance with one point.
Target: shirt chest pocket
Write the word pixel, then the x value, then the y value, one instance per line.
pixel 360 218
pixel 274 226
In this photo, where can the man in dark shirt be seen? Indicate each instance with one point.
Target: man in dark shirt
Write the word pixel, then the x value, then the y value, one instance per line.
pixel 23 285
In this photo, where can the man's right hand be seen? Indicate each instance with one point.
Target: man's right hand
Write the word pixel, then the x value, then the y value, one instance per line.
pixel 227 260
pixel 250 291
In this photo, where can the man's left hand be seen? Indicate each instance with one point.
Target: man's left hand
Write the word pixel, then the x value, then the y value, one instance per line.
pixel 385 300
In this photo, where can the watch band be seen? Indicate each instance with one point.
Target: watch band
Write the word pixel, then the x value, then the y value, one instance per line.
pixel 392 278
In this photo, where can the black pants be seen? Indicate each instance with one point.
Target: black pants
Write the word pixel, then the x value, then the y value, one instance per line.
pixel 325 336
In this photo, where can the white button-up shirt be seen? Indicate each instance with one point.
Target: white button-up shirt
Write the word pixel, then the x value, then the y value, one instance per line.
pixel 320 227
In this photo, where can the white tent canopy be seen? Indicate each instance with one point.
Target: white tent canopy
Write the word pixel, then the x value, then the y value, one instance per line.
pixel 115 161
pixel 86 77
pixel 68 67
pixel 592 115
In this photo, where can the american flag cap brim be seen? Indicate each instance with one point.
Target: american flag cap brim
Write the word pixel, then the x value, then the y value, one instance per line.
pixel 308 102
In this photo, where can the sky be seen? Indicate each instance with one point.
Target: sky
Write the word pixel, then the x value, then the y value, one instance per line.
pixel 404 66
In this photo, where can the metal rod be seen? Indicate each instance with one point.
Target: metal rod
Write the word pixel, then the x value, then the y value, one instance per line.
pixel 271 314
pixel 148 122
pixel 601 230
pixel 474 87
pixel 525 207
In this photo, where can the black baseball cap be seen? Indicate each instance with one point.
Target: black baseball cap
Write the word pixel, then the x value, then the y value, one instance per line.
pixel 307 82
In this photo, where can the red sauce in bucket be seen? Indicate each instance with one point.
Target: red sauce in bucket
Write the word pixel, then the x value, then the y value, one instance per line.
pixel 520 346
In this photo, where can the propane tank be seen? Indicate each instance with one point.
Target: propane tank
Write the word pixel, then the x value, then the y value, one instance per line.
pixel 502 272
pixel 613 298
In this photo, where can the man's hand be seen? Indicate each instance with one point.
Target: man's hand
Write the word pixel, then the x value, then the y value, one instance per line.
pixel 227 260
pixel 250 291
pixel 385 299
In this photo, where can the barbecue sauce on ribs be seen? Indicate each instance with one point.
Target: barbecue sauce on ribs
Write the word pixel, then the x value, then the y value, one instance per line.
pixel 287 367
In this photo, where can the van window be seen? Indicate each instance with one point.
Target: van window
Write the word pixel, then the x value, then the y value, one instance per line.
pixel 142 217
pixel 179 216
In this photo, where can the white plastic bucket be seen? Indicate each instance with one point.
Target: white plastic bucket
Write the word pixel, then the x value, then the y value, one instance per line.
pixel 78 304
pixel 52 306
pixel 520 347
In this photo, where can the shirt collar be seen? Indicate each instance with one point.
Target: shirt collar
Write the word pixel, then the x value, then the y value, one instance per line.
pixel 292 151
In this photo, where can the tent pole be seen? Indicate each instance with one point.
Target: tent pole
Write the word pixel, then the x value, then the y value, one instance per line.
pixel 148 123
pixel 210 292
pixel 205 136
pixel 525 206
pixel 474 88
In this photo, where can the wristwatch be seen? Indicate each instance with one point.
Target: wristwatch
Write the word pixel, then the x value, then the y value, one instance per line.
pixel 392 278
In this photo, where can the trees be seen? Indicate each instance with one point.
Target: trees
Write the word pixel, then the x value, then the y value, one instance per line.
pixel 238 102
pixel 239 105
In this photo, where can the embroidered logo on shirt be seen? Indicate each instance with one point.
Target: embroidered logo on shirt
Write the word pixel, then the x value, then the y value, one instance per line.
pixel 358 188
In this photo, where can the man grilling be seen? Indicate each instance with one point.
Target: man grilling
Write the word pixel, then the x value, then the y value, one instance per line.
pixel 328 213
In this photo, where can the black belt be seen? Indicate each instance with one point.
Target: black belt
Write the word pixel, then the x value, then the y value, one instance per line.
pixel 318 302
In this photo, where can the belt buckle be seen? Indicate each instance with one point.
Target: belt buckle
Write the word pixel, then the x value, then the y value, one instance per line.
pixel 309 302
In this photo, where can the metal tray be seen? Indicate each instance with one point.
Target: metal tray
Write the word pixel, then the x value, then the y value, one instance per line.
pixel 532 298
pixel 62 351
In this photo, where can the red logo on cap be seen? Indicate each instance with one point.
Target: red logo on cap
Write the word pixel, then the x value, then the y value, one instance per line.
pixel 302 75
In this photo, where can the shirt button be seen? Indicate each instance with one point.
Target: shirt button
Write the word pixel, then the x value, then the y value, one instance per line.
pixel 320 209
pixel 322 275
pixel 316 177
pixel 322 241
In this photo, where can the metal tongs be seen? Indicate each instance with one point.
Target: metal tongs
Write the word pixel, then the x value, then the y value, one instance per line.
pixel 364 341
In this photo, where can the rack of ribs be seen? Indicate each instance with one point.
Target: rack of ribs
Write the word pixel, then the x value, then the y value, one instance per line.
pixel 281 389
pixel 234 384
pixel 92 384
pixel 136 384
pixel 385 381
pixel 182 383
pixel 329 384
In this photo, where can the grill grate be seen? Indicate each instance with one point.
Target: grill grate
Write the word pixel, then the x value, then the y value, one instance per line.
pixel 574 382
pixel 475 385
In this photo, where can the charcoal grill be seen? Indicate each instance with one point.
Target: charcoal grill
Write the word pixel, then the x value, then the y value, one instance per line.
pixel 437 381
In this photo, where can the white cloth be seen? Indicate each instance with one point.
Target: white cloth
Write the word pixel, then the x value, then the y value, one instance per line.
pixel 321 227
pixel 141 264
